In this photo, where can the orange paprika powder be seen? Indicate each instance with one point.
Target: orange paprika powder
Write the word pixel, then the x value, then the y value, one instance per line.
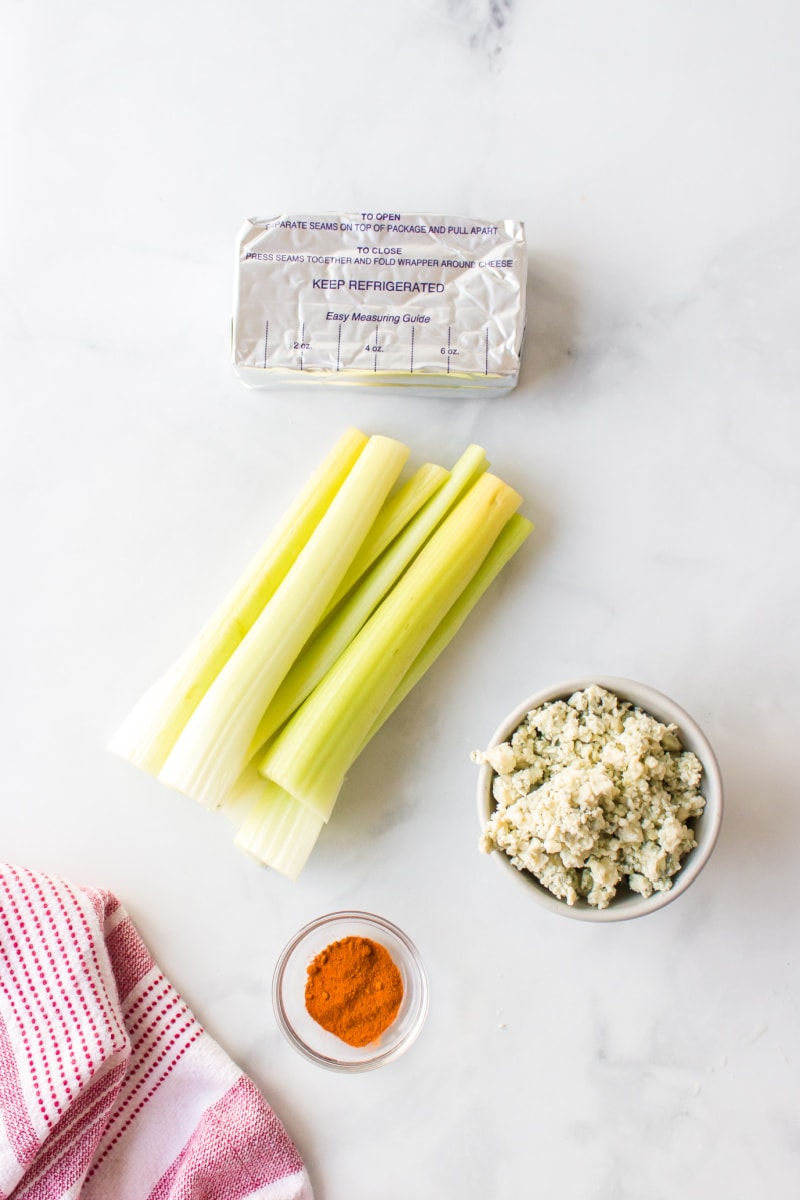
pixel 354 990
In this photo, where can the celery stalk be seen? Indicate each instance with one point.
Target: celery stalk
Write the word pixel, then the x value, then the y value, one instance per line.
pixel 516 530
pixel 212 749
pixel 246 792
pixel 149 733
pixel 280 831
pixel 398 510
pixel 342 625
pixel 312 752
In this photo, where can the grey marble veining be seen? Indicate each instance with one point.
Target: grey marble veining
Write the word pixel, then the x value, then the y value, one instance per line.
pixel 488 24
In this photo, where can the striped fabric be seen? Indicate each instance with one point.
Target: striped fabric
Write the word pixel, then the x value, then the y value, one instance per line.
pixel 109 1087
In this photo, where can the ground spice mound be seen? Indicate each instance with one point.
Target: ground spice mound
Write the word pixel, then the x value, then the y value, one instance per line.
pixel 354 990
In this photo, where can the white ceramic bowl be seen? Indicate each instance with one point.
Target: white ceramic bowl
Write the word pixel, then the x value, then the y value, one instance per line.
pixel 316 1043
pixel 628 904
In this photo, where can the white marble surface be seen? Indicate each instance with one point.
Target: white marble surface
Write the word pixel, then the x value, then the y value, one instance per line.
pixel 652 150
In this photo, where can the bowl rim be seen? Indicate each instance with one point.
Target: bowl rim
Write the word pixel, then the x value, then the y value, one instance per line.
pixel 664 708
pixel 395 1048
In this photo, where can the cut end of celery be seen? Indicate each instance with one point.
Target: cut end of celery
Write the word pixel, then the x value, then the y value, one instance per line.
pixel 147 735
pixel 279 832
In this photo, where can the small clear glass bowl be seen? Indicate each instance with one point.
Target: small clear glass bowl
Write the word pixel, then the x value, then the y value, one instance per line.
pixel 289 983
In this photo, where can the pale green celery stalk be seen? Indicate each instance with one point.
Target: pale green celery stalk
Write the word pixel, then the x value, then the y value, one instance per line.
pixel 279 830
pixel 312 752
pixel 398 510
pixel 150 731
pixel 246 791
pixel 516 530
pixel 341 626
pixel 212 749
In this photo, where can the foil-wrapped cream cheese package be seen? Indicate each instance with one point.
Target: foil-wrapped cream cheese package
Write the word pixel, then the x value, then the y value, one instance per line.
pixel 382 299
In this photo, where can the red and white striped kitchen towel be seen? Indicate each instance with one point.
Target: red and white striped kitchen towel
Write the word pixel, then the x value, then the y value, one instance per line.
pixel 109 1087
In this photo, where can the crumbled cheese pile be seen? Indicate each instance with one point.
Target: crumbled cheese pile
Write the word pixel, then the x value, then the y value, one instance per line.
pixel 591 792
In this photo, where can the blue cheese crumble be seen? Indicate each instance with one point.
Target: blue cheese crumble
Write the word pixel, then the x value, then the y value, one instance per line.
pixel 592 793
